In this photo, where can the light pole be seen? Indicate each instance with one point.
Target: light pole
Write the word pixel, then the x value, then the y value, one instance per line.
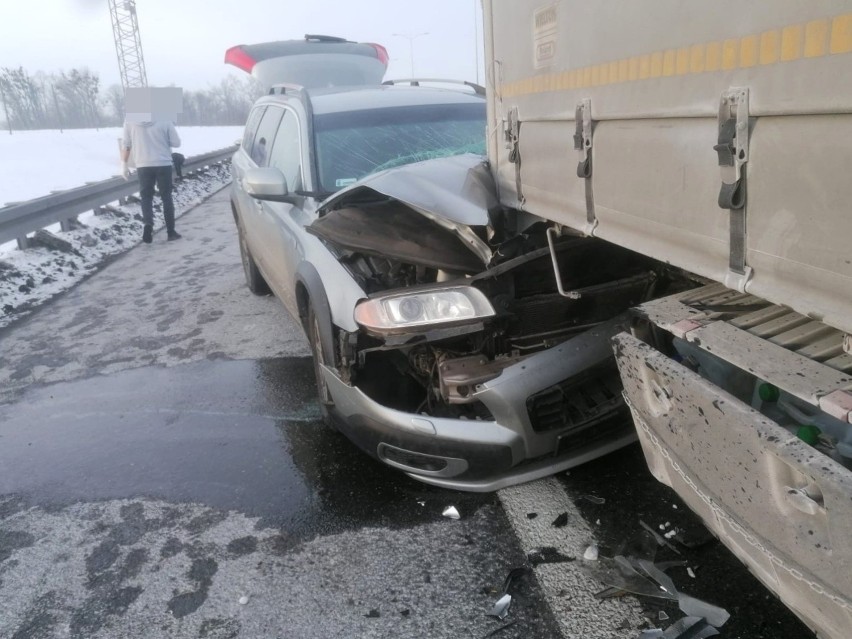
pixel 410 37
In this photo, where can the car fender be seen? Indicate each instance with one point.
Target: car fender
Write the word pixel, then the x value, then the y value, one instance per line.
pixel 308 276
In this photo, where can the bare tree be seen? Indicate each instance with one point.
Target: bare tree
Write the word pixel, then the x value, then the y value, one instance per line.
pixel 21 97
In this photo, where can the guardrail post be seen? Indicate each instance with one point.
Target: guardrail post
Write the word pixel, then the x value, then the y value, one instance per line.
pixel 23 242
pixel 69 224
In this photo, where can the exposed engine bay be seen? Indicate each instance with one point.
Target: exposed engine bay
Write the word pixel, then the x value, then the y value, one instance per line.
pixel 393 247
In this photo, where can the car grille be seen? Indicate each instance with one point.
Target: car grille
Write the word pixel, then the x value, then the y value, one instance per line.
pixel 576 404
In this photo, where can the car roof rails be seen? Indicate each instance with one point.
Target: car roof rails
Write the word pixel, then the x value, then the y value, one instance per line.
pixel 281 88
pixel 415 82
pixel 324 38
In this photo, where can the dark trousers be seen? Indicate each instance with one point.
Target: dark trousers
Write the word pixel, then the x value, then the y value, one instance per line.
pixel 162 177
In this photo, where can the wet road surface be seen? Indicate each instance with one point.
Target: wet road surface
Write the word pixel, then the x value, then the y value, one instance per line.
pixel 161 462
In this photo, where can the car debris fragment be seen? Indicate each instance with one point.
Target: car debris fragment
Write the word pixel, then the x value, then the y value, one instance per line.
pixel 686 628
pixel 501 608
pixel 591 553
pixel 547 555
pixel 644 577
pixel 661 541
pixel 594 499
pixel 451 512
pixel 560 521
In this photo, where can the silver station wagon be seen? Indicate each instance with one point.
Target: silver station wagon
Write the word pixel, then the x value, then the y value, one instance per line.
pixel 447 341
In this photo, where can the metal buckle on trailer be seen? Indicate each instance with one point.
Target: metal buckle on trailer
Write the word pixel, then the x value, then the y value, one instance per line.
pixel 732 146
pixel 512 136
pixel 733 151
pixel 583 137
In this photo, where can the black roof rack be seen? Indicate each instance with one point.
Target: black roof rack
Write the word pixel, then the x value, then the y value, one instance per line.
pixel 415 82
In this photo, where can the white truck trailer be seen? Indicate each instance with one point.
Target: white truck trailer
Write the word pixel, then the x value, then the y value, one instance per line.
pixel 715 137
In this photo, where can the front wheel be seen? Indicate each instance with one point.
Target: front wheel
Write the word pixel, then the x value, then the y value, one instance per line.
pixel 315 341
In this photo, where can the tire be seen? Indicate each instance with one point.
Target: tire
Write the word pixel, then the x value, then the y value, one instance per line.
pixel 318 358
pixel 254 280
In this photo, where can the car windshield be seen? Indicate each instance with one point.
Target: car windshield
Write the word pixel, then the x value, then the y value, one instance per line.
pixel 352 145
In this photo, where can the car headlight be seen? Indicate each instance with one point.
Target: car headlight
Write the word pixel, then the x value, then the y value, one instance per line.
pixel 399 312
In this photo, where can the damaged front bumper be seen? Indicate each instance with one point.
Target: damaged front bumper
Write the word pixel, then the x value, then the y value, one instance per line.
pixel 551 411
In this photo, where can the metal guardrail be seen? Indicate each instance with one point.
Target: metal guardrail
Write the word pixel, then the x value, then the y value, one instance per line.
pixel 16 220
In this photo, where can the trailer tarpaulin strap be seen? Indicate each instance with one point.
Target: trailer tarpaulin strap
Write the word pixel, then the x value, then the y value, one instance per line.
pixel 732 150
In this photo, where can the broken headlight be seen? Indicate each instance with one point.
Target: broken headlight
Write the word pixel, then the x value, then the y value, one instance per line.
pixel 399 312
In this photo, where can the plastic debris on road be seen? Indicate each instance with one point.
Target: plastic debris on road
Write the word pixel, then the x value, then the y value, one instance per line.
pixel 662 616
pixel 501 608
pixel 451 512
pixel 644 577
pixel 561 520
pixel 688 627
pixel 690 572
pixel 591 553
pixel 244 600
pixel 594 499
pixel 661 541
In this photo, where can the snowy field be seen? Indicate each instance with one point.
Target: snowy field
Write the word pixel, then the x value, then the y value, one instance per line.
pixel 34 163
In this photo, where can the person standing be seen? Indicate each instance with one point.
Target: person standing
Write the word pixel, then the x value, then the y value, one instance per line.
pixel 151 144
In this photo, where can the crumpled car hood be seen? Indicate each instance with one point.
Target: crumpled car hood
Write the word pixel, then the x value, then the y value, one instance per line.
pixel 455 193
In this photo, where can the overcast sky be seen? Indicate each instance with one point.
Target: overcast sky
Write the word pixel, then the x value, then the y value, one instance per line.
pixel 184 41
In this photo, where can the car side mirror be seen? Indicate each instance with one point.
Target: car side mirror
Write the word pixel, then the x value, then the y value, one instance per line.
pixel 267 183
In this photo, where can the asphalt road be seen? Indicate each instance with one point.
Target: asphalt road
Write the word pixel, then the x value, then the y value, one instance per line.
pixel 163 474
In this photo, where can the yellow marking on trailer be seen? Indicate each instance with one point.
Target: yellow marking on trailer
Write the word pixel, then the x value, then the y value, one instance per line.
pixel 730 49
pixel 714 56
pixel 816 34
pixel 644 67
pixel 841 34
pixel 613 71
pixel 633 66
pixel 682 61
pixel 770 42
pixel 792 38
pixel 669 65
pixel 623 70
pixel 814 39
pixel 748 51
pixel 696 58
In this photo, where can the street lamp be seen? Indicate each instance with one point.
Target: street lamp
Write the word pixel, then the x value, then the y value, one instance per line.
pixel 411 37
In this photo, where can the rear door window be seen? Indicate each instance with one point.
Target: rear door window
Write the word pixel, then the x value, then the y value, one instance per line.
pixel 251 128
pixel 265 135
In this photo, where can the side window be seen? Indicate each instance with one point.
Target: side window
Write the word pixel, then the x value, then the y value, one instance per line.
pixel 265 134
pixel 286 152
pixel 251 128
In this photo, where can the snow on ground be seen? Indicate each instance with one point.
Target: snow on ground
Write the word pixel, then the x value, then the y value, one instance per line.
pixel 34 163
pixel 32 276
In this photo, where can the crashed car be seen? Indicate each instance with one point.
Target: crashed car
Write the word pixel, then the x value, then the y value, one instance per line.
pixel 444 345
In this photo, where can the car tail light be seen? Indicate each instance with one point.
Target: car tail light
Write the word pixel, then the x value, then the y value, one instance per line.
pixel 381 53
pixel 239 58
